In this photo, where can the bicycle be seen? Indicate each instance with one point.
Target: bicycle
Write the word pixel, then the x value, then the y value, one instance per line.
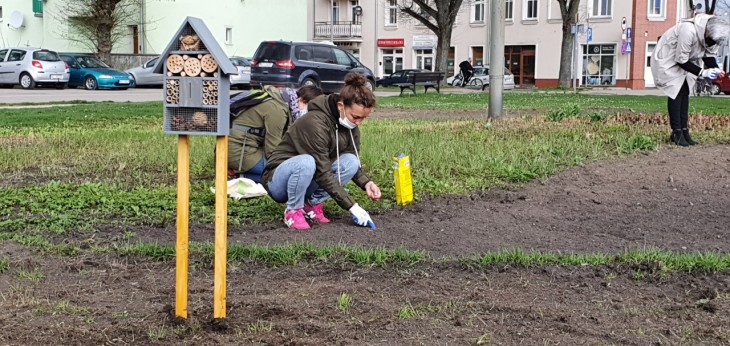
pixel 473 81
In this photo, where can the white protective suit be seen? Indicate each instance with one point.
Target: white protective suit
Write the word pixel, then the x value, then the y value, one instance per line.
pixel 681 43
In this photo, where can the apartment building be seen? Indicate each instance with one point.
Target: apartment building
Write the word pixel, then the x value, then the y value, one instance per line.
pixel 239 26
pixel 612 47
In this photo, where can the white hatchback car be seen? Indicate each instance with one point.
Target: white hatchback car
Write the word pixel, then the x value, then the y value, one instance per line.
pixel 32 66
pixel 480 79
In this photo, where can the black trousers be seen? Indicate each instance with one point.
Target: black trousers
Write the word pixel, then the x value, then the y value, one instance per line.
pixel 679 109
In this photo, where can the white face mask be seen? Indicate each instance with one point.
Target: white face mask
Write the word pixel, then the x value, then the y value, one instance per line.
pixel 347 123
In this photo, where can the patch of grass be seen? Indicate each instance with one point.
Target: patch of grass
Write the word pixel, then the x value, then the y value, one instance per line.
pixel 33 275
pixel 571 110
pixel 4 264
pixel 156 333
pixel 344 302
pixel 407 311
pixel 638 275
pixel 260 327
pixel 636 143
pixel 65 307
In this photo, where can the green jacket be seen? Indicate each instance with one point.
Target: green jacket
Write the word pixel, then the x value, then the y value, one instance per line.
pixel 273 116
pixel 314 134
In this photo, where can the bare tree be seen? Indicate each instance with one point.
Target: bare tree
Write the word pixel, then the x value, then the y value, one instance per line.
pixel 439 17
pixel 569 12
pixel 98 24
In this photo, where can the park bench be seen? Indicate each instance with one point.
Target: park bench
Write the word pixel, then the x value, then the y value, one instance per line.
pixel 425 79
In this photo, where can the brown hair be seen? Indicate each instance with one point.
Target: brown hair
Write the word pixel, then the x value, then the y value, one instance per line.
pixel 357 90
pixel 308 92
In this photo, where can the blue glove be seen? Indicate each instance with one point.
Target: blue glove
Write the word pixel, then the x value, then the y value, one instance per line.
pixel 711 73
pixel 361 217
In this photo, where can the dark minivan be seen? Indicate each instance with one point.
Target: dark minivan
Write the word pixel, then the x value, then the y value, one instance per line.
pixel 294 64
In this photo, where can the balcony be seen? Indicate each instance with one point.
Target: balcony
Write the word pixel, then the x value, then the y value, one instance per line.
pixel 340 31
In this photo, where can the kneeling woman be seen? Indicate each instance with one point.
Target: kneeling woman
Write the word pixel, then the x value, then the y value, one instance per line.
pixel 319 154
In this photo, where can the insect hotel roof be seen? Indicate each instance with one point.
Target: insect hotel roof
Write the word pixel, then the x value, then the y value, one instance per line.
pixel 206 37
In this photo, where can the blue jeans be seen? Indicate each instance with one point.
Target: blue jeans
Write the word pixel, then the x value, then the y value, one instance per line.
pixel 255 172
pixel 293 181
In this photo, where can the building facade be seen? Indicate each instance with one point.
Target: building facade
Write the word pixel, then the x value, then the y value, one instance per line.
pixel 239 26
pixel 612 46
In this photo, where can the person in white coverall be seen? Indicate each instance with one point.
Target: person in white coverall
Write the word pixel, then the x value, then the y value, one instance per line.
pixel 685 52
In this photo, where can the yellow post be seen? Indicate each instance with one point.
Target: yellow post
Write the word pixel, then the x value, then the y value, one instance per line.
pixel 183 215
pixel 221 226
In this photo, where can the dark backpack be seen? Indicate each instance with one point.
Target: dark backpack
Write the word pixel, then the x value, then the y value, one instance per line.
pixel 245 100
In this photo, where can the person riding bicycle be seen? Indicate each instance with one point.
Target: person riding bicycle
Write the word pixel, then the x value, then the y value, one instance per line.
pixel 466 71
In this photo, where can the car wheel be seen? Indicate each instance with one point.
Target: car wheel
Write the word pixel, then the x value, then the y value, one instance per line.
pixel 26 81
pixel 310 81
pixel 714 89
pixel 371 85
pixel 90 83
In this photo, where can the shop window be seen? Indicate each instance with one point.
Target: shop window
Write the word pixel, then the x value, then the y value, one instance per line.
pixel 599 64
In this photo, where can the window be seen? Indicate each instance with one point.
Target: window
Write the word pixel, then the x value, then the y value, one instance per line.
pixel 303 52
pixel 323 54
pixel 656 8
pixel 229 35
pixel 509 10
pixel 599 62
pixel 16 55
pixel 391 13
pixel 342 58
pixel 2 54
pixel 530 10
pixel 335 12
pixel 424 59
pixel 477 11
pixel 601 8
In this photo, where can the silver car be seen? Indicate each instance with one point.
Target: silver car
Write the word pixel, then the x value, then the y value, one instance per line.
pixel 143 75
pixel 30 67
pixel 243 78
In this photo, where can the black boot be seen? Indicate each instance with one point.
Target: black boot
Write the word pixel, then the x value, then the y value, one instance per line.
pixel 678 138
pixel 687 137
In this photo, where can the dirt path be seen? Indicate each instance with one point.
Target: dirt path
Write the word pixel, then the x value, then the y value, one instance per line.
pixel 675 199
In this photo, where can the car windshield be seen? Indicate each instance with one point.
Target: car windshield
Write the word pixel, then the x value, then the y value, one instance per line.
pixel 45 55
pixel 90 62
pixel 272 51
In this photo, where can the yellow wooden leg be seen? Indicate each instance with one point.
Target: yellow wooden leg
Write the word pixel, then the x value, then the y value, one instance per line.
pixel 221 226
pixel 183 215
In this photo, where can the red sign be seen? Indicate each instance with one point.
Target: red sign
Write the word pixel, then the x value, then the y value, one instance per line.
pixel 391 42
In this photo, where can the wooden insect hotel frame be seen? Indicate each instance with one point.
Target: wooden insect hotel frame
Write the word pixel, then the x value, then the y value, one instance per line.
pixel 196 102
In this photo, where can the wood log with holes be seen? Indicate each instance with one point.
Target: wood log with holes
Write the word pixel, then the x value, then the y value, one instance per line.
pixel 175 63
pixel 192 67
pixel 208 63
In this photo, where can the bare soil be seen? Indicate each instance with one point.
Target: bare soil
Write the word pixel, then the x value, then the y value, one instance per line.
pixel 673 199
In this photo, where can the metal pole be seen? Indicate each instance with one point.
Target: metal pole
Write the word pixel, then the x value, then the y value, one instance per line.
pixel 496 63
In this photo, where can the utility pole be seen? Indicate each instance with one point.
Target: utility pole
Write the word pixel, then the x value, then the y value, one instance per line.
pixel 496 60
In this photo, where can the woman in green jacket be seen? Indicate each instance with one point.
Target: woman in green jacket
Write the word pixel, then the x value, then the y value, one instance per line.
pixel 257 130
pixel 319 154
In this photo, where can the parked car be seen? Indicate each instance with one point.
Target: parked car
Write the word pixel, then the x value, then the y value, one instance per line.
pixel 143 75
pixel 294 64
pixel 241 80
pixel 30 67
pixel 480 79
pixel 92 73
pixel 400 76
pixel 724 85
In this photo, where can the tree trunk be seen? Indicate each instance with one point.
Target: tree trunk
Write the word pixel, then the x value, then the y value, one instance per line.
pixel 566 56
pixel 442 52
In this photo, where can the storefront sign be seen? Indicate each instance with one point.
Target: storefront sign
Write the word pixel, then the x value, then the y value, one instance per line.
pixel 424 41
pixel 391 42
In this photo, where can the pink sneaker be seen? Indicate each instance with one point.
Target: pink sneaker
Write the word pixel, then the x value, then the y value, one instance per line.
pixel 294 219
pixel 315 213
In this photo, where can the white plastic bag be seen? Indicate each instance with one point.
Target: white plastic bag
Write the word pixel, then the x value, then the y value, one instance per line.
pixel 243 188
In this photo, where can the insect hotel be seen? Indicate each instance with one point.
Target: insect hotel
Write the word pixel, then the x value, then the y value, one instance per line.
pixel 196 102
